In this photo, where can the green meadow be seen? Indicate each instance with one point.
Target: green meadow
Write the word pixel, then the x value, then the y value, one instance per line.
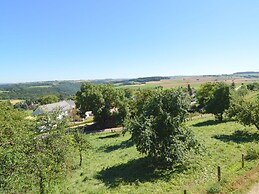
pixel 113 165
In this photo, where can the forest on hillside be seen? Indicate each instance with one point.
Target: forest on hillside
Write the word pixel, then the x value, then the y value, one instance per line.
pixel 62 89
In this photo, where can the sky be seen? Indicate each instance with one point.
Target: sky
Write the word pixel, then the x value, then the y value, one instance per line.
pixel 98 39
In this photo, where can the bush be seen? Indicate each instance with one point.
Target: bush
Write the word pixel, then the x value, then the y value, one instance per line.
pixel 252 154
pixel 215 188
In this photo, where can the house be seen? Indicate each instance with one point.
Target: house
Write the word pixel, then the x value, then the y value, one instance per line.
pixel 66 106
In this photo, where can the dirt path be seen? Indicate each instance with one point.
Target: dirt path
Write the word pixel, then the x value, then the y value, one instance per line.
pixel 254 190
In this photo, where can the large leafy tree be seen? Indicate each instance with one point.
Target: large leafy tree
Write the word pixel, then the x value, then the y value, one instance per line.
pixel 245 111
pixel 30 161
pixel 158 127
pixel 215 98
pixel 108 104
pixel 14 138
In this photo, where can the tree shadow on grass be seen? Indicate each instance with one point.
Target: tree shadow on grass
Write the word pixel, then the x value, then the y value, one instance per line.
pixel 132 172
pixel 124 144
pixel 239 137
pixel 207 123
pixel 110 136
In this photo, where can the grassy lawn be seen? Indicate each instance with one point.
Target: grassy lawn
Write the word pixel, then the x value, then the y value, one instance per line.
pixel 113 165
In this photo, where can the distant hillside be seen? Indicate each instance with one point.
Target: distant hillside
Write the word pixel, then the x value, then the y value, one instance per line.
pixel 35 90
pixel 66 89
pixel 141 80
pixel 247 74
pixel 62 89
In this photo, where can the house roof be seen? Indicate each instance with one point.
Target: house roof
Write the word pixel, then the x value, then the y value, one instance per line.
pixel 63 105
pixel 71 103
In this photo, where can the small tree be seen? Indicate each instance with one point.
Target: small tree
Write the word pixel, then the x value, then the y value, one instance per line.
pixel 49 150
pixel 48 99
pixel 215 98
pixel 81 144
pixel 158 128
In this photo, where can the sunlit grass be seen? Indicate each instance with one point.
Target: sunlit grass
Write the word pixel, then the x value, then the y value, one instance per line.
pixel 113 165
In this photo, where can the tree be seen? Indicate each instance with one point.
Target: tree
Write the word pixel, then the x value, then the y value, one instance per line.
pixel 108 104
pixel 244 111
pixel 81 144
pixel 14 137
pixel 215 98
pixel 49 150
pixel 48 99
pixel 233 85
pixel 242 90
pixel 189 89
pixel 29 159
pixel 253 86
pixel 158 128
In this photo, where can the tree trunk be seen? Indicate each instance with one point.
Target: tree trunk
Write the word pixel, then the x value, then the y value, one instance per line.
pixel 41 183
pixel 81 158
pixel 219 117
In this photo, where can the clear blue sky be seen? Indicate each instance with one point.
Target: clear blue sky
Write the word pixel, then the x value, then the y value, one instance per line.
pixel 95 39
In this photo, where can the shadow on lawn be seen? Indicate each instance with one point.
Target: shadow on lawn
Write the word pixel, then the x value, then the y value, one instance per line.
pixel 207 123
pixel 239 137
pixel 124 144
pixel 132 172
pixel 110 136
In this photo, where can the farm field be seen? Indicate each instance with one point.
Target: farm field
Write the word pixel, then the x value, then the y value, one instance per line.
pixel 46 86
pixel 14 101
pixel 194 81
pixel 113 164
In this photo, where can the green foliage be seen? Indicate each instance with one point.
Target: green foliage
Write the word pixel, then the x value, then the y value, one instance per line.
pixel 108 104
pixel 81 144
pixel 31 161
pixel 113 165
pixel 253 86
pixel 244 111
pixel 53 120
pixel 252 153
pixel 48 99
pixel 35 90
pixel 215 98
pixel 157 127
pixel 215 188
pixel 189 89
pixel 14 135
pixel 242 90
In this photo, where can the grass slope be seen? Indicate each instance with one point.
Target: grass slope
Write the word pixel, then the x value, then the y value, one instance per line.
pixel 114 166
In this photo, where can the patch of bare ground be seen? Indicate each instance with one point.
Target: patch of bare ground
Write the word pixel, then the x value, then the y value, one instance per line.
pixel 246 181
pixel 255 189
